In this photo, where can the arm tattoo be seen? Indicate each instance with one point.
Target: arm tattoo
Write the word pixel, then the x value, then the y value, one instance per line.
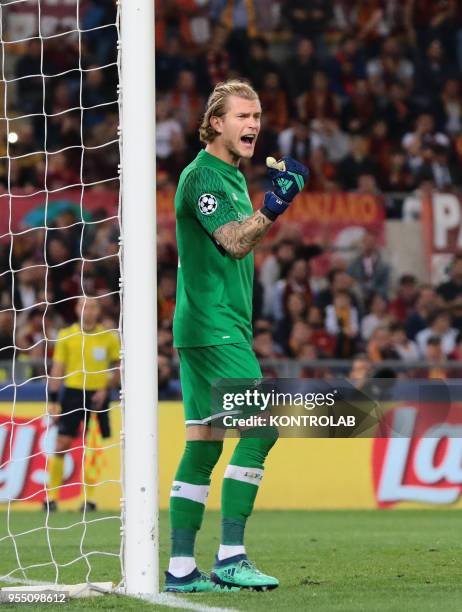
pixel 238 239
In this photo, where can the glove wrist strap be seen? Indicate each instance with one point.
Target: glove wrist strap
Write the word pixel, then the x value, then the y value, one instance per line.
pixel 271 215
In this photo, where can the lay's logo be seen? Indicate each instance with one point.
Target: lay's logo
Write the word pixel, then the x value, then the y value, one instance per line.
pixel 24 447
pixel 421 460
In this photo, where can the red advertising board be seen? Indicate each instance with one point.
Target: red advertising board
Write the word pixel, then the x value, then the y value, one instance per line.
pixel 24 444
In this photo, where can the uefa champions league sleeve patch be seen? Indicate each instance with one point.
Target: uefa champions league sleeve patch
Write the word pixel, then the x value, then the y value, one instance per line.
pixel 207 204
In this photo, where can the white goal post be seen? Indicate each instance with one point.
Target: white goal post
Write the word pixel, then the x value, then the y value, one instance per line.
pixel 140 504
pixel 28 27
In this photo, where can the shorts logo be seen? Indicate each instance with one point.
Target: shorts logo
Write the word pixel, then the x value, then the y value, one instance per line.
pixel 207 204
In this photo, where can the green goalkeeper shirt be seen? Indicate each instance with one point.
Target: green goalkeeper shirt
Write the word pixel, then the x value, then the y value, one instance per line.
pixel 214 291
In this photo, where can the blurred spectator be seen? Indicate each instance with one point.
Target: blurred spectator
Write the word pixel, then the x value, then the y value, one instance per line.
pixel 300 335
pixel 400 110
pixel 322 171
pixel 59 174
pixel 258 65
pixel 448 109
pixel 29 85
pixel 361 371
pixel 321 339
pixel 346 67
pixel 403 303
pixel 406 349
pixel 300 67
pixel 399 176
pixel 455 308
pixel 96 94
pixel 7 340
pixel 165 342
pixel 309 18
pixel 186 103
pixel 274 267
pixel 391 64
pixel 329 135
pixel 427 304
pixel 318 102
pixel 297 281
pixel 307 353
pixel 437 168
pixel 424 135
pixel 29 281
pixel 437 359
pixel 360 110
pixel 439 326
pixel 297 141
pixel 217 57
pixel 456 354
pixel 264 348
pixel 369 269
pixel 169 62
pixel 380 346
pixel 355 164
pixel 412 205
pixel 367 185
pixel 169 133
pixel 168 388
pixel 433 69
pixel 378 316
pixel 338 280
pixel 274 101
pixel 166 294
pixel 239 18
pixel 295 310
pixel 342 322
pixel 452 289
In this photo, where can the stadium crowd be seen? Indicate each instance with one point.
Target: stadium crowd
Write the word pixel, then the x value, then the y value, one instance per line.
pixel 367 93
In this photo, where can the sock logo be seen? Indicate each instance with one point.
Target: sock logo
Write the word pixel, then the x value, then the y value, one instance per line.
pixel 176 487
pixel 254 475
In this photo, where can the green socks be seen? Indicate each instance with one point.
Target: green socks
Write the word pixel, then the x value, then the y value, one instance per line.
pixel 240 487
pixel 189 494
pixel 190 490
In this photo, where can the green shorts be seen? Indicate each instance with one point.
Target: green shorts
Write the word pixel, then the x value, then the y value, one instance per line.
pixel 201 366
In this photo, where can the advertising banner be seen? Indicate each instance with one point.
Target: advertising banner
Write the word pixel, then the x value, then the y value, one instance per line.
pixel 382 473
pixel 27 439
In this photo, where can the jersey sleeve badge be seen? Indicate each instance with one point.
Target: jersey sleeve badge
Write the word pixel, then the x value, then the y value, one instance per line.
pixel 207 203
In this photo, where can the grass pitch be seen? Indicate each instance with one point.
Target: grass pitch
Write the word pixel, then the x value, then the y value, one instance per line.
pixel 326 561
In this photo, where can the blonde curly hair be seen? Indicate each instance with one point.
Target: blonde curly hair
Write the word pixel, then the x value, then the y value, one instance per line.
pixel 216 104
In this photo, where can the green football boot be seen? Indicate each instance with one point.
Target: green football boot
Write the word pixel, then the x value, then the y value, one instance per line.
pixel 239 572
pixel 195 582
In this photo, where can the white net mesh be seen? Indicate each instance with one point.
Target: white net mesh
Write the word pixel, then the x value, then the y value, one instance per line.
pixel 59 247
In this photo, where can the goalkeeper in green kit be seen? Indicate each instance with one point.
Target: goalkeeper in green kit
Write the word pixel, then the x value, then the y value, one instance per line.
pixel 217 230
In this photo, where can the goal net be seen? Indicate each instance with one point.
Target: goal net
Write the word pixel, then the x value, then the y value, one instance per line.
pixel 61 417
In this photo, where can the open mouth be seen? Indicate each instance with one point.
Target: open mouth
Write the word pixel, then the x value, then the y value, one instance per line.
pixel 248 139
